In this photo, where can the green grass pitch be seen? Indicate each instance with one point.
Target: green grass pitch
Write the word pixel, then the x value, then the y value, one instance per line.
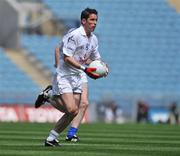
pixel 17 139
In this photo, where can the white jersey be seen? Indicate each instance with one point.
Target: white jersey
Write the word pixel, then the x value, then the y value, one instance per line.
pixel 76 44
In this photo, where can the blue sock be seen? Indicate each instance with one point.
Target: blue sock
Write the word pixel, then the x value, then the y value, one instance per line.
pixel 71 132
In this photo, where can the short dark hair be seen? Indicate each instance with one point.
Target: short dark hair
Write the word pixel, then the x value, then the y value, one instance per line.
pixel 86 12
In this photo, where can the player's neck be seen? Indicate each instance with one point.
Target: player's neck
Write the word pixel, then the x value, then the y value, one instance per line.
pixel 88 33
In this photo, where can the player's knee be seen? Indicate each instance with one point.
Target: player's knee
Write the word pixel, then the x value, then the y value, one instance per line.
pixel 73 111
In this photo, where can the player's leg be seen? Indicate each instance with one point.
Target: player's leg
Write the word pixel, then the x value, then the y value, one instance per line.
pixel 70 102
pixel 56 103
pixel 72 111
pixel 46 96
pixel 71 134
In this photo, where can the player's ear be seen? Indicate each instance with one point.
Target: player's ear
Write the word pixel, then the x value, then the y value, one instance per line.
pixel 83 21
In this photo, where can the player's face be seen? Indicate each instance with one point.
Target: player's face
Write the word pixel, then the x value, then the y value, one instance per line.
pixel 90 23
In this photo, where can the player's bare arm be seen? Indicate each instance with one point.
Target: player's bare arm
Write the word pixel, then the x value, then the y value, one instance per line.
pixel 88 71
pixel 56 55
pixel 72 62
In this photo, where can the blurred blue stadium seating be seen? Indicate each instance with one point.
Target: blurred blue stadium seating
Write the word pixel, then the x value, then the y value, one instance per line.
pixel 139 39
pixel 42 47
pixel 15 86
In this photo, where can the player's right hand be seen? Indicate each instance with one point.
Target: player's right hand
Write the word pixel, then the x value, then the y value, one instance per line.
pixel 89 72
pixel 107 70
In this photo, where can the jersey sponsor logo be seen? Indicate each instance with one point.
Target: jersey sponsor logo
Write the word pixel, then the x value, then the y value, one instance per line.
pixel 80 48
pixel 92 47
pixel 83 59
pixel 87 46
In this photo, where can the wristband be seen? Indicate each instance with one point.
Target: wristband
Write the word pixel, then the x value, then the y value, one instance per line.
pixel 82 67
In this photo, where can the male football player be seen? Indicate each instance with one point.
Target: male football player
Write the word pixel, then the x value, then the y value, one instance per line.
pixel 77 47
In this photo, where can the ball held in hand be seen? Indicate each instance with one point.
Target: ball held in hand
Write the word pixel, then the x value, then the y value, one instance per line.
pixel 101 68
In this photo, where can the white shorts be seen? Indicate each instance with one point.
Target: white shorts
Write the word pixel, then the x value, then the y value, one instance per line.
pixel 84 77
pixel 67 84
